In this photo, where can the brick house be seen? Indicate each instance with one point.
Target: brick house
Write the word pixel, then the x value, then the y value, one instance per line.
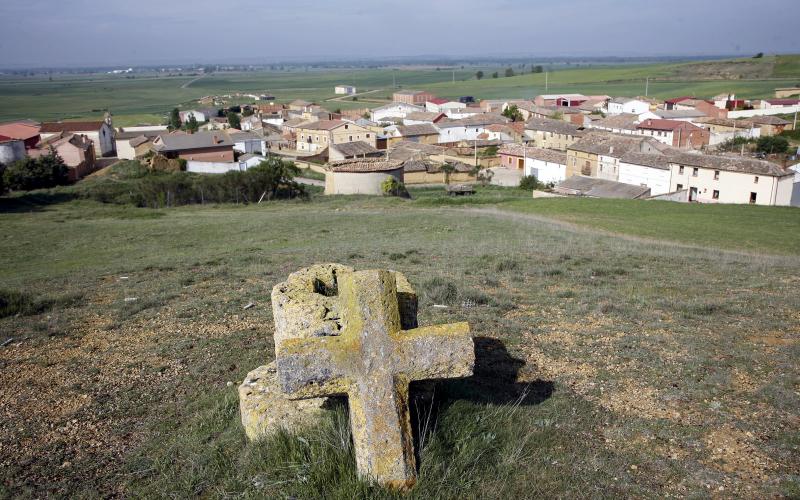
pixel 418 97
pixel 675 133
pixel 76 150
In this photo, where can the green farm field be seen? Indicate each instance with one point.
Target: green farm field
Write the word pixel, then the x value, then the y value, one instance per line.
pixel 149 98
pixel 614 359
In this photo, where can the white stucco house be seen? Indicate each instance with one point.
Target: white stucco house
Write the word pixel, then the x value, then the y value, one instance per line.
pixel 467 129
pixel 547 165
pixel 645 169
pixel 11 150
pixel 198 115
pixel 443 106
pixel 730 179
pixel 361 176
pixel 620 105
pixel 248 142
pixel 394 110
pixel 344 90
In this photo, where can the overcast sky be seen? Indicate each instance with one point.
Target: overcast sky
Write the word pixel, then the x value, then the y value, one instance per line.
pixel 125 32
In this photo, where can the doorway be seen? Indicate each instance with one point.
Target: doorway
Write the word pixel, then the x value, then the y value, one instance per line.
pixel 693 194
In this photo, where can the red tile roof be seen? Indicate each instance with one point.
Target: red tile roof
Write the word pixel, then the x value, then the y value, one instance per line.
pixel 17 130
pixel 438 100
pixel 784 102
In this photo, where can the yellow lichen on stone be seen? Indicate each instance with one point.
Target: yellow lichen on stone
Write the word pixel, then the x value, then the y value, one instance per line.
pixel 373 361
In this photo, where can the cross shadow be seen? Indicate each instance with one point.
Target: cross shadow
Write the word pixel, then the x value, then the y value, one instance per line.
pixel 494 381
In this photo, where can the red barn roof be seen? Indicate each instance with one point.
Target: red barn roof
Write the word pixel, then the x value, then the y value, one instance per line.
pixel 19 130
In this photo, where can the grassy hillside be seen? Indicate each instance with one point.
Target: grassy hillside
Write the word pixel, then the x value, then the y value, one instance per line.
pixel 606 365
pixel 150 98
pixel 787 67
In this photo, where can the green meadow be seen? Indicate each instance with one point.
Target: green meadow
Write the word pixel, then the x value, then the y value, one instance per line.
pixel 148 98
pixel 624 348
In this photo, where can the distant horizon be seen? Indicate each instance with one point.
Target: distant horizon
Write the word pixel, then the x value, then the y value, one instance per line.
pixel 424 59
pixel 90 33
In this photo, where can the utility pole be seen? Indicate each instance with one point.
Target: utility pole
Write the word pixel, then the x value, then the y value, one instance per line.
pixel 394 79
pixel 476 152
pixel 454 76
pixel 524 156
pixel 794 127
pixel 546 75
pixel 647 86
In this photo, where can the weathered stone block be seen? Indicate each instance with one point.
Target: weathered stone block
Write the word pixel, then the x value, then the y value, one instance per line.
pixel 265 408
pixel 372 362
pixel 306 305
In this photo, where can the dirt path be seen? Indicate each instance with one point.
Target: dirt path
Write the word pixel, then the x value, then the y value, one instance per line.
pixel 190 82
pixel 345 97
pixel 577 228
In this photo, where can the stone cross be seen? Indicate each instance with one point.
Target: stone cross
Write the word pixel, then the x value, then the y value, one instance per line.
pixel 372 362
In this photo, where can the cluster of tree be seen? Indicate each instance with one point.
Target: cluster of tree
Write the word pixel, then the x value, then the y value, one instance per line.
pixel 233 120
pixel 772 144
pixel 766 145
pixel 174 122
pixel 272 179
pixel 530 182
pixel 393 187
pixel 35 173
pixel 509 72
pixel 513 113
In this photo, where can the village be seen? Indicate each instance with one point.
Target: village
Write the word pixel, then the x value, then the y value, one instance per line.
pixel 697 149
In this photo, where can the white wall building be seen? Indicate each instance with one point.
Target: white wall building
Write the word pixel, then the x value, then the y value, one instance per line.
pixel 344 89
pixel 620 105
pixel 548 171
pixel 444 107
pixel 198 115
pixel 644 169
pixel 394 110
pixel 11 151
pixel 730 179
pixel 247 142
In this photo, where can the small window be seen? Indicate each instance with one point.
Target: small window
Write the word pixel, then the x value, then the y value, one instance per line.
pixel 716 175
pixel 755 180
pixel 680 171
pixel 753 197
pixel 367 136
pixel 715 194
pixel 679 187
pixel 695 171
